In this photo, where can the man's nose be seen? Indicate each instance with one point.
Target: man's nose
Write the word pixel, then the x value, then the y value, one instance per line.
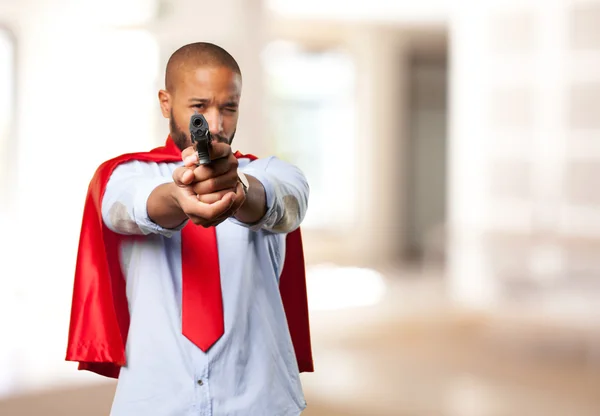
pixel 215 121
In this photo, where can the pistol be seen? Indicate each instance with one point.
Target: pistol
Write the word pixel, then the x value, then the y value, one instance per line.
pixel 201 138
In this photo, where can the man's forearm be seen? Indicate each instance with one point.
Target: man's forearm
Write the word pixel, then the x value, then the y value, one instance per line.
pixel 163 208
pixel 255 206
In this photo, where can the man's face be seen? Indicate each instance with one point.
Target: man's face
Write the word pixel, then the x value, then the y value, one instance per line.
pixel 211 91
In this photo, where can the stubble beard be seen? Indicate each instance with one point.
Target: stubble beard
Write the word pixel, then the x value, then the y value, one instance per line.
pixel 182 140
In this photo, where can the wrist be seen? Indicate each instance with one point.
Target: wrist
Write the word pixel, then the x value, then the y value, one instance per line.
pixel 163 206
pixel 172 196
pixel 254 207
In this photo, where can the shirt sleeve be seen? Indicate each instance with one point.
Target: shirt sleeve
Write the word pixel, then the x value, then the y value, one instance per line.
pixel 286 191
pixel 124 204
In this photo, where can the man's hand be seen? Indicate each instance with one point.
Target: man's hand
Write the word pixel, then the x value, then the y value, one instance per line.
pixel 209 194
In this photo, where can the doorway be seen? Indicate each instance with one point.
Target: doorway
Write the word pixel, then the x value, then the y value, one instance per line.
pixel 427 149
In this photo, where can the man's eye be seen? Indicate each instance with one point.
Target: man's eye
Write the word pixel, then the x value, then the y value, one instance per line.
pixel 231 109
pixel 198 106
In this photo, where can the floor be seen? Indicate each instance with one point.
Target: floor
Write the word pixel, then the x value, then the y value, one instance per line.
pixel 423 358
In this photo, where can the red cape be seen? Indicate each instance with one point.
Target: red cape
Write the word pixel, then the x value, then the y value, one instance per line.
pixel 99 321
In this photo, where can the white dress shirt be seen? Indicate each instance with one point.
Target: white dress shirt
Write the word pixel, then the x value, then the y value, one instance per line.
pixel 252 369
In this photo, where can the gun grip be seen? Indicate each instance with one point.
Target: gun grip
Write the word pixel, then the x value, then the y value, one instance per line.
pixel 203 153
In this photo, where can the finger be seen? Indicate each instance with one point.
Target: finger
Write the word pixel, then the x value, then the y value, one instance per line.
pixel 187 152
pixel 216 168
pixel 227 181
pixel 239 198
pixel 213 197
pixel 183 176
pixel 206 223
pixel 212 211
pixel 191 161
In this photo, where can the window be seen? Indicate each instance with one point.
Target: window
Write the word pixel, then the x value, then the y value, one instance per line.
pixel 7 104
pixel 103 103
pixel 310 100
pixel 7 295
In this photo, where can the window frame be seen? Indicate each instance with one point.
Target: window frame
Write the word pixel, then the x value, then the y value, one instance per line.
pixel 8 149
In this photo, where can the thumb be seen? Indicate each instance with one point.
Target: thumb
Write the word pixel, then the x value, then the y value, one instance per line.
pixel 183 176
pixel 189 156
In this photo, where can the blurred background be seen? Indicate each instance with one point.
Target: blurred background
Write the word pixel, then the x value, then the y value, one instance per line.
pixel 453 234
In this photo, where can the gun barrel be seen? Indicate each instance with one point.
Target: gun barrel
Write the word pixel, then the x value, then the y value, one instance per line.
pixel 201 139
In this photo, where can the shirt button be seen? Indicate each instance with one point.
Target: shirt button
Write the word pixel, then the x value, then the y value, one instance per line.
pixel 200 382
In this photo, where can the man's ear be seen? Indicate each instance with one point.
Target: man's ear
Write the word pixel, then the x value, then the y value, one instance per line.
pixel 164 98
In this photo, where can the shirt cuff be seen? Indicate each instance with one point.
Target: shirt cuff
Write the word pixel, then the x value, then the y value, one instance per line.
pixel 270 195
pixel 140 208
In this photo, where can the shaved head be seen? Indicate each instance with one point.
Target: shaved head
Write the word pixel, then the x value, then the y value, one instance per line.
pixel 194 55
pixel 201 78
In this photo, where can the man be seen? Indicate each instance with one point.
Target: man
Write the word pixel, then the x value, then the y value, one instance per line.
pixel 189 284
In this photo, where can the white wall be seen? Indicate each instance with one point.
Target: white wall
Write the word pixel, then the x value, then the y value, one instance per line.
pixel 88 77
pixel 524 159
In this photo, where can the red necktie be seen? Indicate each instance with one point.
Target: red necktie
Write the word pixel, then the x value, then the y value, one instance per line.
pixel 202 303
